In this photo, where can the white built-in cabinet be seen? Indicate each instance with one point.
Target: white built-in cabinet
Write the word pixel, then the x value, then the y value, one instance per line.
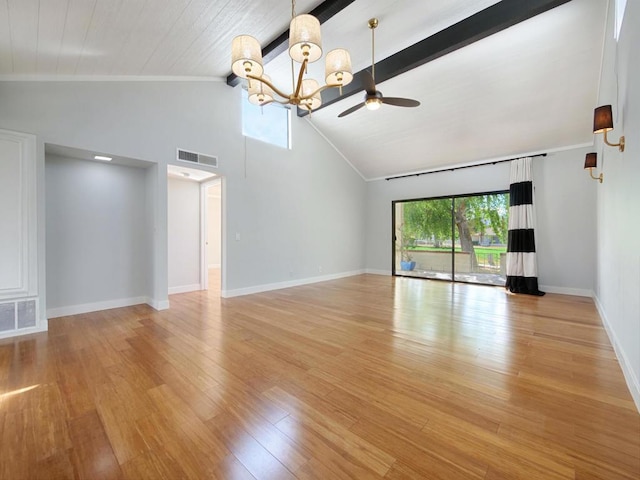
pixel 18 239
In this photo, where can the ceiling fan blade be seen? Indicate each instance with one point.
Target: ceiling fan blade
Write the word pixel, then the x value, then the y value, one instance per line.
pixel 369 83
pixel 351 110
pixel 400 102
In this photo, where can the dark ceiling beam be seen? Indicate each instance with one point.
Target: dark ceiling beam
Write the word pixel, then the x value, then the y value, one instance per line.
pixel 322 12
pixel 491 20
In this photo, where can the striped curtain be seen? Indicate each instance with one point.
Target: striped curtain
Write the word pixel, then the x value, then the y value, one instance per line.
pixel 522 270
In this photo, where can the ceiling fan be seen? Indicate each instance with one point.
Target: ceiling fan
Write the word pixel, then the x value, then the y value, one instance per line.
pixel 373 98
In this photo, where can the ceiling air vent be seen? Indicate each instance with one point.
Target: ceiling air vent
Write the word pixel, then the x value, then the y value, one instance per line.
pixel 194 157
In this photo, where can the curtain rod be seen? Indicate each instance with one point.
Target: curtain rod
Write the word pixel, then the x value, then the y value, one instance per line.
pixel 460 168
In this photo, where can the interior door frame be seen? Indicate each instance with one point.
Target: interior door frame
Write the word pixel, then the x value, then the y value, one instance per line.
pixel 204 216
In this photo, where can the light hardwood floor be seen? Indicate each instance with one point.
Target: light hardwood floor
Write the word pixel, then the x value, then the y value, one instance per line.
pixel 364 377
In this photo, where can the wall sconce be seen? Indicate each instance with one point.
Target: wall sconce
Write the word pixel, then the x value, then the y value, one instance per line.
pixel 603 122
pixel 591 162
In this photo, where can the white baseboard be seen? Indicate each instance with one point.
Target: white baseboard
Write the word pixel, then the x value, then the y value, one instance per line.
pixel 157 304
pixel 292 283
pixel 214 265
pixel 373 271
pixel 185 289
pixel 627 371
pixel 579 292
pixel 94 307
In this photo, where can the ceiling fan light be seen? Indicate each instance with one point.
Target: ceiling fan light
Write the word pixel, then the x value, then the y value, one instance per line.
pixel 246 56
pixel 338 67
pixel 260 93
pixel 305 38
pixel 310 86
pixel 372 103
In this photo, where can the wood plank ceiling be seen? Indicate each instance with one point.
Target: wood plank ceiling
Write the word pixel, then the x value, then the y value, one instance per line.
pixel 529 88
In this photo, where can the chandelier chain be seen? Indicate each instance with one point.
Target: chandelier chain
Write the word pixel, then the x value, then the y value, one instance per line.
pixel 293 71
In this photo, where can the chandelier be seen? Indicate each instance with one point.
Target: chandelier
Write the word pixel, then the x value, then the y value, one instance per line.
pixel 304 48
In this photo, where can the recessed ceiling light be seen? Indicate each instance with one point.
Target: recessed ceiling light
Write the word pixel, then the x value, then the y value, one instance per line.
pixel 185 174
pixel 103 158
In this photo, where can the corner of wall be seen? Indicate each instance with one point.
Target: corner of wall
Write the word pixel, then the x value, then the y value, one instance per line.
pixel 158 304
pixel 632 381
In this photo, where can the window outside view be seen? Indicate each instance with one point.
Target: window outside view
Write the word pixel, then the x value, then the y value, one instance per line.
pixel 269 124
pixel 454 238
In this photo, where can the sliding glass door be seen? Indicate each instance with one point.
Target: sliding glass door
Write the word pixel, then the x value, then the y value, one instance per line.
pixel 423 246
pixel 460 238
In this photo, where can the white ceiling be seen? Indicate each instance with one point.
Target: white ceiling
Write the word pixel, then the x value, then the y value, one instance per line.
pixel 527 89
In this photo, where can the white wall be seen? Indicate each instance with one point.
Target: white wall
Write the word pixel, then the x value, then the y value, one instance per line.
pixel 618 258
pixel 96 235
pixel 156 224
pixel 214 225
pixel 566 238
pixel 183 224
pixel 302 213
pixel 565 205
pixel 296 211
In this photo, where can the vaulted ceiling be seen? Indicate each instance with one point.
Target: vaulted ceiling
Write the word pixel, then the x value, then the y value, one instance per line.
pixel 528 88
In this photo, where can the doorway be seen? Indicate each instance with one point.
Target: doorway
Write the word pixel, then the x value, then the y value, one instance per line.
pixel 194 201
pixel 211 228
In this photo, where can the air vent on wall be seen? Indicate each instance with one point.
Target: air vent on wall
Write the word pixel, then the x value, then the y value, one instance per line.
pixel 194 157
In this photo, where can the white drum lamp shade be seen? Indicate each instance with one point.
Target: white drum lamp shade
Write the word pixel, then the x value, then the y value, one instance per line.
pixel 305 39
pixel 308 87
pixel 260 93
pixel 338 67
pixel 246 56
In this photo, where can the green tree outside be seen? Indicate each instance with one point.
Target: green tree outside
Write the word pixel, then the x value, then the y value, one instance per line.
pixel 432 219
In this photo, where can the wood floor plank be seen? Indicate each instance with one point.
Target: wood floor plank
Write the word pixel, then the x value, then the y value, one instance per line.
pixel 285 450
pixel 118 417
pixel 326 456
pixel 601 456
pixel 72 382
pixel 406 442
pixel 252 454
pixel 364 377
pixel 92 454
pixel 16 440
pixel 502 455
pixel 153 465
pixel 174 447
pixel 370 456
pixel 55 467
pixel 231 468
pixel 177 414
pixel 235 392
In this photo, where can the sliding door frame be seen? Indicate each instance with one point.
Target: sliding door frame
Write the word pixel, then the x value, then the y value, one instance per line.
pixel 453 226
